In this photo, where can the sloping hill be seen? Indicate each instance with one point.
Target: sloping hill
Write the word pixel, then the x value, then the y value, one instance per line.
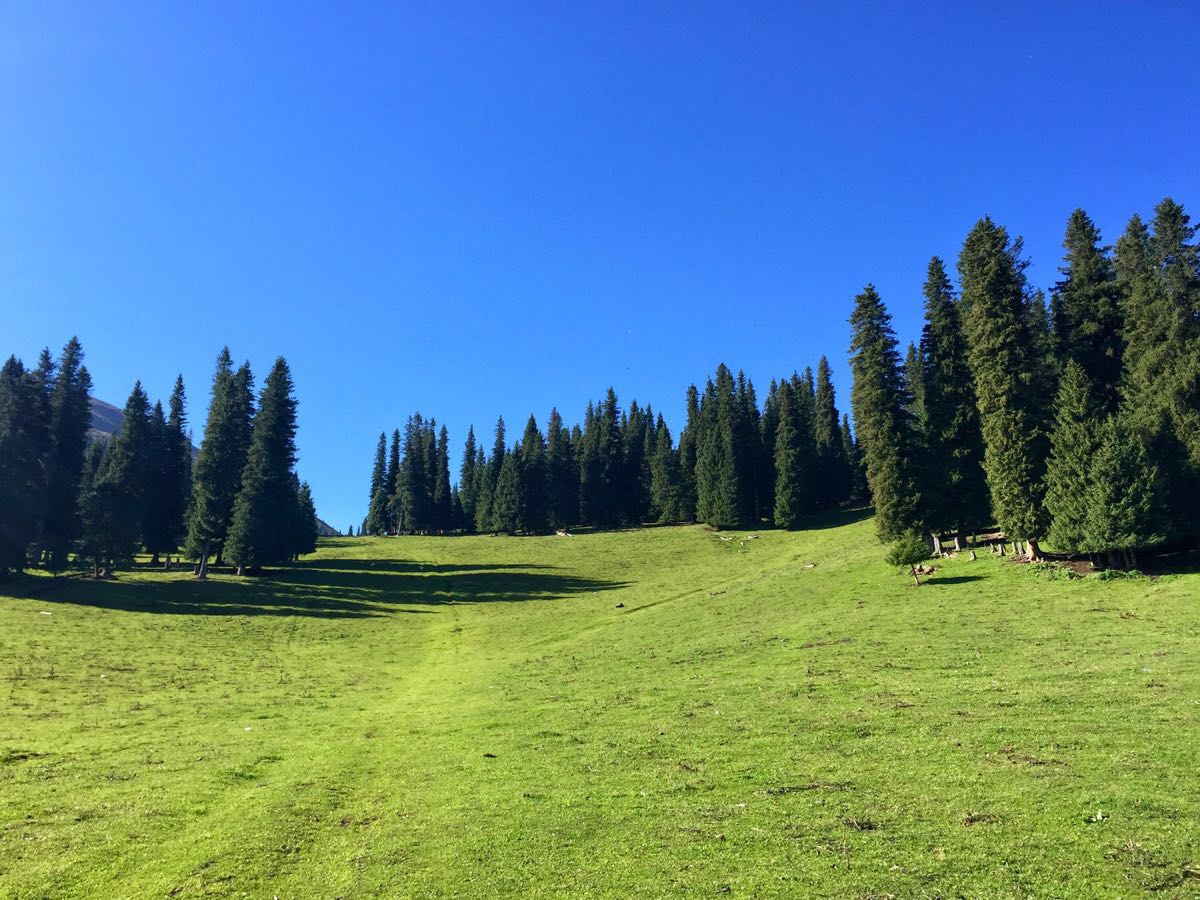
pixel 107 420
pixel 642 713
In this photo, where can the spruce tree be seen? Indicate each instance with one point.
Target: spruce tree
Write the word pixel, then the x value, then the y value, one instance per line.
pixel 483 492
pixel 562 474
pixel 532 479
pixel 376 521
pixel 70 421
pixel 1006 368
pixel 688 444
pixel 156 527
pixel 768 426
pixel 22 465
pixel 304 538
pixel 1086 310
pixel 466 482
pixel 94 506
pixel 717 497
pixel 833 475
pixel 218 470
pixel 954 492
pixel 261 530
pixel 1073 446
pixel 884 424
pixel 859 491
pixel 794 457
pixel 1122 515
pixel 666 482
pixel 506 498
pixel 391 483
pixel 914 367
pixel 443 512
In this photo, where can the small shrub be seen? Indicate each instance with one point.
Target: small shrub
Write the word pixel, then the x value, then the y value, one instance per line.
pixel 910 550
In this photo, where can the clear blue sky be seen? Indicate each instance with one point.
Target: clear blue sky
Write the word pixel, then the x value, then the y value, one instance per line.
pixel 483 208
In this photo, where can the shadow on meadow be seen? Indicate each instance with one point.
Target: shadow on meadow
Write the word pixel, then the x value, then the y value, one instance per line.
pixel 327 588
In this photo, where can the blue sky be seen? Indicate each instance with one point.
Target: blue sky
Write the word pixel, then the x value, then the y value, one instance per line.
pixel 478 209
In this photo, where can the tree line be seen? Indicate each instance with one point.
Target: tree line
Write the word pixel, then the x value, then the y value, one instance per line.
pixel 734 464
pixel 67 496
pixel 1076 422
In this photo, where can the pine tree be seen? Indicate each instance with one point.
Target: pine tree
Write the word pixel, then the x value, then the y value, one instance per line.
pixel 261 531
pixel 884 424
pixel 531 479
pixel 443 511
pixel 376 521
pixel 22 465
pixel 562 474
pixel 391 483
pixel 156 528
pixel 1073 446
pixel 218 471
pixel 97 503
pixel 489 475
pixel 955 492
pixel 666 481
pixel 70 421
pixel 833 475
pixel 304 539
pixel 113 524
pixel 1086 309
pixel 768 427
pixel 506 499
pixel 413 498
pixel 1121 509
pixel 914 367
pixel 466 482
pixel 746 442
pixel 483 492
pixel 1005 366
pixel 859 491
pixel 601 464
pixel 795 455
pixel 688 444
pixel 716 457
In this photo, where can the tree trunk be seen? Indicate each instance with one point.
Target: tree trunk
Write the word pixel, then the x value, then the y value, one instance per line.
pixel 202 574
pixel 937 543
pixel 916 579
pixel 241 570
pixel 973 557
pixel 958 541
pixel 1032 550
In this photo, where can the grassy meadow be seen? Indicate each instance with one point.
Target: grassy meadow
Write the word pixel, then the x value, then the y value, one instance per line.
pixel 661 712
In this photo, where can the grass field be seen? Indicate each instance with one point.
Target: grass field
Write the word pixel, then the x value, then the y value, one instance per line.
pixel 647 713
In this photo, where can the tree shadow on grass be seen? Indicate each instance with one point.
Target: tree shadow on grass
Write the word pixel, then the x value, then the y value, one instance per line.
pixel 835 519
pixel 318 590
pixel 953 579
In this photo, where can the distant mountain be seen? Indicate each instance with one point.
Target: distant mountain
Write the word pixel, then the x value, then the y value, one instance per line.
pixel 107 420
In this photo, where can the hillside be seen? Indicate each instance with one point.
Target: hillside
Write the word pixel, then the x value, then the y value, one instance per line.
pixel 106 421
pixel 641 713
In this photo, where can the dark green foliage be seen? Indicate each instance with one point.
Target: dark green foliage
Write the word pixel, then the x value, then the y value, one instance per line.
pixel 1074 443
pixel 914 379
pixel 22 464
pixel 412 500
pixel 377 515
pixel 1005 364
pixel 1121 511
pixel 443 509
pixel 717 493
pixel 602 464
pixel 466 483
pixel 910 550
pixel 768 426
pixel 218 472
pixel 859 490
pixel 532 480
pixel 262 530
pixel 506 497
pixel 689 440
pixel 666 480
pixel 483 493
pixel 955 493
pixel 70 420
pixel 562 474
pixel 391 481
pixel 117 500
pixel 747 446
pixel 304 537
pixel 884 426
pixel 1086 310
pixel 637 448
pixel 795 457
pixel 832 481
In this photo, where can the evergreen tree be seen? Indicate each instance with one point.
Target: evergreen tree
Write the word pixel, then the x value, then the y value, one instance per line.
pixel 688 444
pixel 1005 366
pixel 304 538
pixel 531 479
pixel 70 421
pixel 794 455
pixel 833 475
pixel 96 504
pixel 218 472
pixel 768 428
pixel 1121 510
pixel 413 498
pixel 466 481
pixel 22 465
pixel 376 522
pixel 113 520
pixel 391 484
pixel 633 481
pixel 262 529
pixel 506 499
pixel 1073 446
pixel 483 492
pixel 716 460
pixel 914 367
pixel 443 512
pixel 562 474
pixel 666 481
pixel 601 464
pixel 955 491
pixel 1086 310
pixel 859 491
pixel 881 406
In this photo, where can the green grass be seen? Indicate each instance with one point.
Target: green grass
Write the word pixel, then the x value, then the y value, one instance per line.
pixel 647 713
